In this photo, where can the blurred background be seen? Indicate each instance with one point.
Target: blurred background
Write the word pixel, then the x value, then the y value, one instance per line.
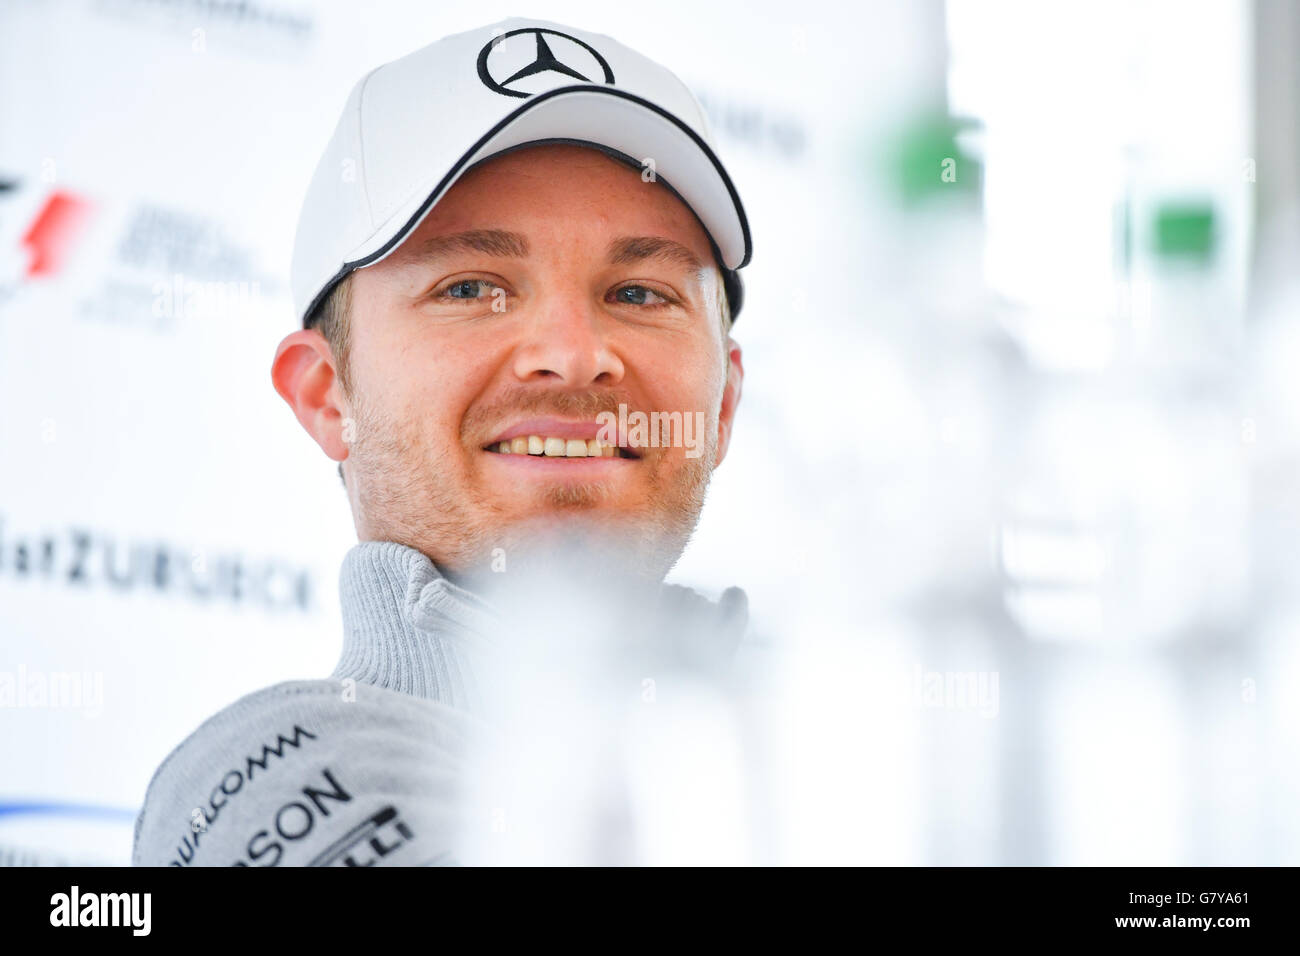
pixel 1012 488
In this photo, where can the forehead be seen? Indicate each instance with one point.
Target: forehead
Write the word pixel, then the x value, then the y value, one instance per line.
pixel 560 190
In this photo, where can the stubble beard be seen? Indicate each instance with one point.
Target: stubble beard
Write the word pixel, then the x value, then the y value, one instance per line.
pixel 405 490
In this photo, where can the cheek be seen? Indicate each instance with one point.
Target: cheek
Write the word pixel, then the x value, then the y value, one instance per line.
pixel 696 387
pixel 687 375
pixel 442 389
pixel 696 398
pixel 424 386
pixel 435 401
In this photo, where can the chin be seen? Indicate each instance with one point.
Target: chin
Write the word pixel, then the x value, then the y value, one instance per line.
pixel 619 538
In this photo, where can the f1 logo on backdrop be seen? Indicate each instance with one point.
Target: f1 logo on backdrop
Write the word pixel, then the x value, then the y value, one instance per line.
pixel 39 247
pixel 562 56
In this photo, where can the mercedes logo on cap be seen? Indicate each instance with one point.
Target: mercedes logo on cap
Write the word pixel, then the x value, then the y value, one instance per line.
pixel 577 59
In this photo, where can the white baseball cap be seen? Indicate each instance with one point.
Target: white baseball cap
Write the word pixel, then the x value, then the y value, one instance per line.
pixel 412 127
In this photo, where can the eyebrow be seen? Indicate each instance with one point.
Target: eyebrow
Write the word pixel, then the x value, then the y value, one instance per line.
pixel 630 249
pixel 490 242
pixel 504 244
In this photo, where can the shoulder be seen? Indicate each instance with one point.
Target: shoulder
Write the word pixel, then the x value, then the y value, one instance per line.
pixel 316 772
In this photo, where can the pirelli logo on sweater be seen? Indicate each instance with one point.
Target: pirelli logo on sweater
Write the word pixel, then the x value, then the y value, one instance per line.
pixel 368 842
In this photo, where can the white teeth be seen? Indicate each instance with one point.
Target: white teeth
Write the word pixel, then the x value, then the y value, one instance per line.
pixel 556 447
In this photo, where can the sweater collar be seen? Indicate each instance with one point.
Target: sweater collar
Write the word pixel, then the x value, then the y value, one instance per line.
pixel 407 627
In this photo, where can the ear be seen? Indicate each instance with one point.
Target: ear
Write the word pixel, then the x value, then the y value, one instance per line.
pixel 730 397
pixel 305 376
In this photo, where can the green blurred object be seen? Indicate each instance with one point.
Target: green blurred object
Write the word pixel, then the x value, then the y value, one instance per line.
pixel 928 164
pixel 1184 231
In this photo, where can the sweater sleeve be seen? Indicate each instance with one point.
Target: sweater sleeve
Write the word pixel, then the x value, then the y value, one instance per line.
pixel 310 773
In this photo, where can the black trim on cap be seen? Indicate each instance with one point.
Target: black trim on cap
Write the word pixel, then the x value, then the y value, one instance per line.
pixel 731 278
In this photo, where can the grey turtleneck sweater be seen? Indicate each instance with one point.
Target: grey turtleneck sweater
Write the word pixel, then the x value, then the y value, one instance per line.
pixel 362 768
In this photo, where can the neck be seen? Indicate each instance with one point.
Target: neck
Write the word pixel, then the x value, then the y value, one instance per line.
pixel 409 627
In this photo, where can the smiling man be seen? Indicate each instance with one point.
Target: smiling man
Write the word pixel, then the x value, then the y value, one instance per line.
pixel 516 237
pixel 549 287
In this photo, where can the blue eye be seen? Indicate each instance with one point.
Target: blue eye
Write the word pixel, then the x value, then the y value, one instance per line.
pixel 471 286
pixel 636 295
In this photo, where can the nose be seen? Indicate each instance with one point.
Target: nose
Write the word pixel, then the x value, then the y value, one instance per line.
pixel 566 342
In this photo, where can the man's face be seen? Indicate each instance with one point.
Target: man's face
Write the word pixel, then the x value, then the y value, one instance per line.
pixel 548 286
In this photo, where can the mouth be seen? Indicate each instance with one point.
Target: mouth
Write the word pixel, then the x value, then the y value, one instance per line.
pixel 555 447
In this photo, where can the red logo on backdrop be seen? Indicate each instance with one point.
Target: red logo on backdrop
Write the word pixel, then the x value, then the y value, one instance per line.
pixel 50 236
